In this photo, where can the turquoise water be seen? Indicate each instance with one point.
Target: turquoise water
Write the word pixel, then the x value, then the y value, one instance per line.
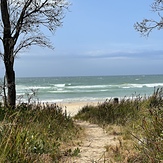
pixel 58 89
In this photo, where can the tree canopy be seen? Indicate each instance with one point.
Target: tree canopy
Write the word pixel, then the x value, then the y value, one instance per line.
pixel 27 18
pixel 148 25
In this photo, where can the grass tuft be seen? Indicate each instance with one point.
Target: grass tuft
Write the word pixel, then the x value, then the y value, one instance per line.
pixel 34 133
pixel 141 127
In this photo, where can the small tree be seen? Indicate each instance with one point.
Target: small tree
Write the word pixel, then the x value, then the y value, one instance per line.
pixel 21 27
pixel 147 25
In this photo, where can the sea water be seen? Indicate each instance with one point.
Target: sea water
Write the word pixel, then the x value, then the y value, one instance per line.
pixel 90 88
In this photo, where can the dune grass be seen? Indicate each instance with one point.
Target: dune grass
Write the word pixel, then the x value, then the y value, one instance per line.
pixel 29 134
pixel 141 123
pixel 43 133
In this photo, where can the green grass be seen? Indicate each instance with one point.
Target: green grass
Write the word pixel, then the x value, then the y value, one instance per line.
pixel 141 122
pixel 30 134
pixel 111 113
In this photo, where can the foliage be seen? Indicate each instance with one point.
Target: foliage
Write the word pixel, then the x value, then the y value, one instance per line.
pixel 35 134
pixel 111 113
pixel 147 25
pixel 27 19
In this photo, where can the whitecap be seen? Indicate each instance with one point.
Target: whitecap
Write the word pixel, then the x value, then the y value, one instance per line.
pixel 59 85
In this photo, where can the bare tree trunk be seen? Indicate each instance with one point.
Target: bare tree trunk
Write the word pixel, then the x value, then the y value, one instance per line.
pixel 11 94
pixel 8 44
pixel 10 73
pixel 10 77
pixel 4 91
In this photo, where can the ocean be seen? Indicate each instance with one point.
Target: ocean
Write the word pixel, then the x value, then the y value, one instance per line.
pixel 89 88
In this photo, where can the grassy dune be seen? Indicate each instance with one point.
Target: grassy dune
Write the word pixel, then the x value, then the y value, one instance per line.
pixel 139 122
pixel 44 133
pixel 37 134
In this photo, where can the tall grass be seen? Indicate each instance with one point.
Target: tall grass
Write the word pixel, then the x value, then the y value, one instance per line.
pixel 33 133
pixel 150 142
pixel 110 112
pixel 141 120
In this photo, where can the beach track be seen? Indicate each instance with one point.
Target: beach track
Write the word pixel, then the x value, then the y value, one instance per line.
pixel 93 144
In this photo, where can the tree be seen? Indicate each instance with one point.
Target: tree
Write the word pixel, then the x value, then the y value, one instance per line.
pixel 21 27
pixel 147 25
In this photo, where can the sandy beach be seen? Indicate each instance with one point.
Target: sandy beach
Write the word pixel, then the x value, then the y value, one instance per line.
pixel 72 108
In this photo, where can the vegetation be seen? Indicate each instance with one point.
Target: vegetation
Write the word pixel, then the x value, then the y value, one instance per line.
pixel 110 113
pixel 36 133
pixel 44 133
pixel 151 127
pixel 141 123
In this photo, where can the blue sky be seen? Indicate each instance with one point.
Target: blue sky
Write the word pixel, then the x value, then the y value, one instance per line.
pixel 97 38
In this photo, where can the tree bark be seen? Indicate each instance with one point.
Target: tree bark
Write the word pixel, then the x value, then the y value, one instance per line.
pixel 4 91
pixel 8 44
pixel 10 75
pixel 11 94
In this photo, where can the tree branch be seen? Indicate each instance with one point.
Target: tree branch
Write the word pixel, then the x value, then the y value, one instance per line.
pixel 20 20
pixel 27 18
pixel 148 25
pixel 31 41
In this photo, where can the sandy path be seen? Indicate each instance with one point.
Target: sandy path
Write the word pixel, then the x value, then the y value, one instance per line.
pixel 93 143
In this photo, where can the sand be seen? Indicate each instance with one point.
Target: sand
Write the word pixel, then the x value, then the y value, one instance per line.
pixel 93 145
pixel 72 108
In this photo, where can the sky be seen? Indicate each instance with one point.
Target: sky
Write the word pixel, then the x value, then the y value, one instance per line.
pixel 97 38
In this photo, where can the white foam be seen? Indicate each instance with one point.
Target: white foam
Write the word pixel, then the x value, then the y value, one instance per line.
pixel 154 85
pixel 150 85
pixel 59 85
pixel 88 86
pixel 22 87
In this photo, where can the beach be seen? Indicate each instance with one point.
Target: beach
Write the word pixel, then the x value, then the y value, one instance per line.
pixel 72 108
